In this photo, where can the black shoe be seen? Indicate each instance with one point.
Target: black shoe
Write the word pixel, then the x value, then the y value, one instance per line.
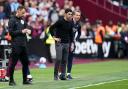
pixel 30 79
pixel 56 77
pixel 27 83
pixel 62 77
pixel 6 80
pixel 12 83
pixel 69 77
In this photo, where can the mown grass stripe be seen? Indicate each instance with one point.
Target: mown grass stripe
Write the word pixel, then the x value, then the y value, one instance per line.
pixel 101 83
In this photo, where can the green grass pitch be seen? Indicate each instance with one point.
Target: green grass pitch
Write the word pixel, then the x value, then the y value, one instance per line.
pixel 97 75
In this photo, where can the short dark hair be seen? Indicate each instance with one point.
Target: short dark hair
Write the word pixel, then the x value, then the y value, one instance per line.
pixel 68 10
pixel 76 11
pixel 20 7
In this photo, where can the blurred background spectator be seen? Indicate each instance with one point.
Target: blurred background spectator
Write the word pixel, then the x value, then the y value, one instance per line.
pixel 41 13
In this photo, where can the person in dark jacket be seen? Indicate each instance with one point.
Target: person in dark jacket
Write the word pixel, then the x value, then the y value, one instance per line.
pixel 76 36
pixel 7 8
pixel 124 41
pixel 18 31
pixel 62 33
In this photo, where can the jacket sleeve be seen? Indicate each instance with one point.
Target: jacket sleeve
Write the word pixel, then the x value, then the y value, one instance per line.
pixel 53 28
pixel 79 32
pixel 28 27
pixel 12 28
pixel 71 34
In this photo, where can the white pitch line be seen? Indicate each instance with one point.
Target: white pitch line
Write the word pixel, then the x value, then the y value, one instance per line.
pixel 97 84
pixel 73 87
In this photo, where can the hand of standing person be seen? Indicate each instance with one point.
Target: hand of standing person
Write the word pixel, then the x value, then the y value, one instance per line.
pixel 57 39
pixel 72 46
pixel 24 31
pixel 28 31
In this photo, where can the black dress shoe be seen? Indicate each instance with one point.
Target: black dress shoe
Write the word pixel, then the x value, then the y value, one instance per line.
pixel 55 77
pixel 12 83
pixel 30 79
pixel 69 77
pixel 62 77
pixel 27 82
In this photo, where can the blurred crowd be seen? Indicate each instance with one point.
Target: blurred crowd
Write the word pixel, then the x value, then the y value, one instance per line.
pixel 122 3
pixel 41 13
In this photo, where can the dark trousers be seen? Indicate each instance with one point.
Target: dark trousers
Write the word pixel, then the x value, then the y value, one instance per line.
pixel 70 61
pixel 19 52
pixel 8 69
pixel 48 53
pixel 100 52
pixel 62 52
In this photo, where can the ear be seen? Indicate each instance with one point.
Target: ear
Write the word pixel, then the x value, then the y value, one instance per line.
pixel 18 11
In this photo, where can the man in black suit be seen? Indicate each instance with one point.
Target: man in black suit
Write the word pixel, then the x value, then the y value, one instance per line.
pixel 76 35
pixel 18 31
pixel 62 33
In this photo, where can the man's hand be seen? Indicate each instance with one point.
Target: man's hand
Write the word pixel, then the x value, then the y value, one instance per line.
pixel 28 31
pixel 24 31
pixel 72 46
pixel 57 39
